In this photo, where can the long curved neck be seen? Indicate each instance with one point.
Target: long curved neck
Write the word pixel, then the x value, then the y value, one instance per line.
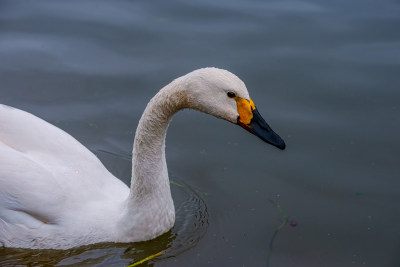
pixel 149 167
pixel 149 210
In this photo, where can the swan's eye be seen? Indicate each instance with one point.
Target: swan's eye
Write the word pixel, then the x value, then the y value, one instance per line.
pixel 231 94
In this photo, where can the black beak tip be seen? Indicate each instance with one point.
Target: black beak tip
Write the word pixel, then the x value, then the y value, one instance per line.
pixel 276 141
pixel 282 145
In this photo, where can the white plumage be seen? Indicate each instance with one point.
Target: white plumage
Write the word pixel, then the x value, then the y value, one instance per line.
pixel 54 193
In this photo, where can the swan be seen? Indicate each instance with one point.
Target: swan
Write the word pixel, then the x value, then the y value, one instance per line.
pixel 56 194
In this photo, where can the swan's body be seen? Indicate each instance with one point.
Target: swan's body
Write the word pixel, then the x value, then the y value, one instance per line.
pixel 54 193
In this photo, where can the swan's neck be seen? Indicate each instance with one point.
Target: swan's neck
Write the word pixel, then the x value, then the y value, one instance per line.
pixel 149 167
pixel 150 204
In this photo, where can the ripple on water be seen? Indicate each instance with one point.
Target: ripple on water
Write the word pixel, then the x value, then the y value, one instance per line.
pixel 190 226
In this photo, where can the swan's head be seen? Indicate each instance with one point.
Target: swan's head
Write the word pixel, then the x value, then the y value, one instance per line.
pixel 222 94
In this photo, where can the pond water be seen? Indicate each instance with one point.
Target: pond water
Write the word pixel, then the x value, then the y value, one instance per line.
pixel 324 74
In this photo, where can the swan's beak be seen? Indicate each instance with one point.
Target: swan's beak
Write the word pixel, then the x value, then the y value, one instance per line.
pixel 251 120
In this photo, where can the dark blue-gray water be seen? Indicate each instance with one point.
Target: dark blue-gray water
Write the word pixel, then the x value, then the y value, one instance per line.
pixel 324 74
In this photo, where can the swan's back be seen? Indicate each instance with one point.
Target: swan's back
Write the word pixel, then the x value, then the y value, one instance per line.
pixel 48 146
pixel 46 176
pixel 44 143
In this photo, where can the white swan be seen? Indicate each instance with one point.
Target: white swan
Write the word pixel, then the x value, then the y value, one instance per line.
pixel 54 193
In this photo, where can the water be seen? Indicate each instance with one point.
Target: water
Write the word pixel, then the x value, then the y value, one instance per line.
pixel 324 74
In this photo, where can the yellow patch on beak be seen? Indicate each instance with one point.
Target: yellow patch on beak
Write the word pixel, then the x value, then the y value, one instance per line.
pixel 245 109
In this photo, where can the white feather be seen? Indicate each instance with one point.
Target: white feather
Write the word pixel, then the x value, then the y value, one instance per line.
pixel 55 193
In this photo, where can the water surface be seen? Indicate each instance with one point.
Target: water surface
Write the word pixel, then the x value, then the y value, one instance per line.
pixel 324 74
